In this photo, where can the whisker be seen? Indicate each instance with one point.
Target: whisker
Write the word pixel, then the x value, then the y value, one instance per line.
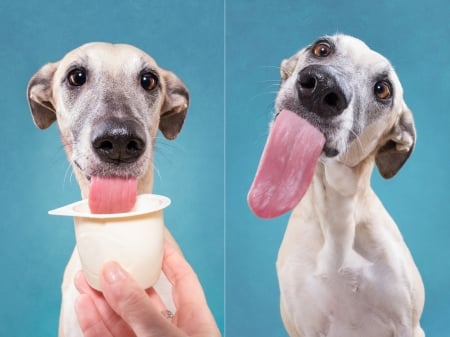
pixel 270 67
pixel 72 174
pixel 277 82
pixel 68 172
pixel 357 139
pixel 257 96
pixel 156 172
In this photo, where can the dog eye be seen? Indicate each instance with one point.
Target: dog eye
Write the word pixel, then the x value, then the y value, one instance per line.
pixel 322 49
pixel 77 77
pixel 382 90
pixel 149 81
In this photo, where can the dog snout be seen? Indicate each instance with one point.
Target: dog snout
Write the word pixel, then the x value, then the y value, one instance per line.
pixel 320 92
pixel 118 141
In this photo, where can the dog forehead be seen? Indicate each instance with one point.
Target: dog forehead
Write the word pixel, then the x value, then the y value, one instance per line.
pixel 358 53
pixel 348 51
pixel 351 55
pixel 114 57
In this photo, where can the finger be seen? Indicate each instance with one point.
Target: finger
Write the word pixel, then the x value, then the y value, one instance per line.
pixel 112 321
pixel 133 304
pixel 156 300
pixel 193 314
pixel 106 310
pixel 89 318
pixel 186 286
pixel 82 286
pixel 168 237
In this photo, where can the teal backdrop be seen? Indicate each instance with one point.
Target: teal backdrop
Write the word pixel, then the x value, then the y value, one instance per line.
pixel 228 53
pixel 36 177
pixel 414 35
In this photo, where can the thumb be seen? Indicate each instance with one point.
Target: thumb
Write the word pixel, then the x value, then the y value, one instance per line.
pixel 132 303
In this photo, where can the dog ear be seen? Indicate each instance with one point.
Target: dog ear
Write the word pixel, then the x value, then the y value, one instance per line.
pixel 40 98
pixel 398 147
pixel 175 106
pixel 287 67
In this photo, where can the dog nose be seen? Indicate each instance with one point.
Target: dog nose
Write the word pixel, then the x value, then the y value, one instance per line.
pixel 320 91
pixel 118 141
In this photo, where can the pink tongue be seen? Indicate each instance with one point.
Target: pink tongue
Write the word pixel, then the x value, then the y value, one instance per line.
pixel 112 194
pixel 286 167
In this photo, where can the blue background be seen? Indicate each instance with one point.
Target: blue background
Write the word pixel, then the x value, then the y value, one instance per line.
pixel 207 171
pixel 414 35
pixel 34 247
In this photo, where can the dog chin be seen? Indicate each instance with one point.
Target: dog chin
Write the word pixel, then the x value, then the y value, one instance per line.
pixel 330 152
pixel 84 177
pixel 106 175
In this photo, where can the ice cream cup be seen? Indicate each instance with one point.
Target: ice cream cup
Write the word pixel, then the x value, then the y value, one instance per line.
pixel 133 239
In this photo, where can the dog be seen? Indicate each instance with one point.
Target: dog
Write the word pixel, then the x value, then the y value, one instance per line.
pixel 109 100
pixel 343 267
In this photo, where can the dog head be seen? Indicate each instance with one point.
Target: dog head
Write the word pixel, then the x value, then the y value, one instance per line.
pixel 109 101
pixel 354 97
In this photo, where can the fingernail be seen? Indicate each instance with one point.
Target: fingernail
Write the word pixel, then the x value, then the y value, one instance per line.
pixel 113 273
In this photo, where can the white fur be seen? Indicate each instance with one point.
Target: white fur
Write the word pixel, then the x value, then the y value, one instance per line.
pixel 112 89
pixel 343 267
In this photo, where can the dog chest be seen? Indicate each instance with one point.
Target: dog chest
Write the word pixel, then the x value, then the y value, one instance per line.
pixel 353 302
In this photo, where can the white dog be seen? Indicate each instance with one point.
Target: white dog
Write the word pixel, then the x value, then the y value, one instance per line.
pixel 109 101
pixel 343 267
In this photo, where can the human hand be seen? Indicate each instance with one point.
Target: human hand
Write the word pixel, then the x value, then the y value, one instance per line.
pixel 126 310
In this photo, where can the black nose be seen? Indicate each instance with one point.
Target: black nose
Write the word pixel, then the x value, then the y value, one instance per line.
pixel 118 141
pixel 320 91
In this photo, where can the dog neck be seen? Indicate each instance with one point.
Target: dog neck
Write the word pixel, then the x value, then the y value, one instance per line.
pixel 334 198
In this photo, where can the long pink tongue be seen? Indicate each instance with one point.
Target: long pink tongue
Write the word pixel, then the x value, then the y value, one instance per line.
pixel 286 167
pixel 112 194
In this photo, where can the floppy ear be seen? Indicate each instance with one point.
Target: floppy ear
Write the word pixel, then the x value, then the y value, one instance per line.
pixel 400 144
pixel 175 106
pixel 287 67
pixel 40 97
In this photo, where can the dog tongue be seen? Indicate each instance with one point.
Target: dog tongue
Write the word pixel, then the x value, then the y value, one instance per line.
pixel 286 167
pixel 112 194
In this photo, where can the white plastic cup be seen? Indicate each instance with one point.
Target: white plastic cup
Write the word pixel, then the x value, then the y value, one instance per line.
pixel 134 239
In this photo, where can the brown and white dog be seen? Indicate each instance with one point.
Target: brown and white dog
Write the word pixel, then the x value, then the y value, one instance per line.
pixel 109 101
pixel 343 267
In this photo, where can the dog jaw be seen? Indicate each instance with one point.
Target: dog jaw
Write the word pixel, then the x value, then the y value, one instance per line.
pixel 144 181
